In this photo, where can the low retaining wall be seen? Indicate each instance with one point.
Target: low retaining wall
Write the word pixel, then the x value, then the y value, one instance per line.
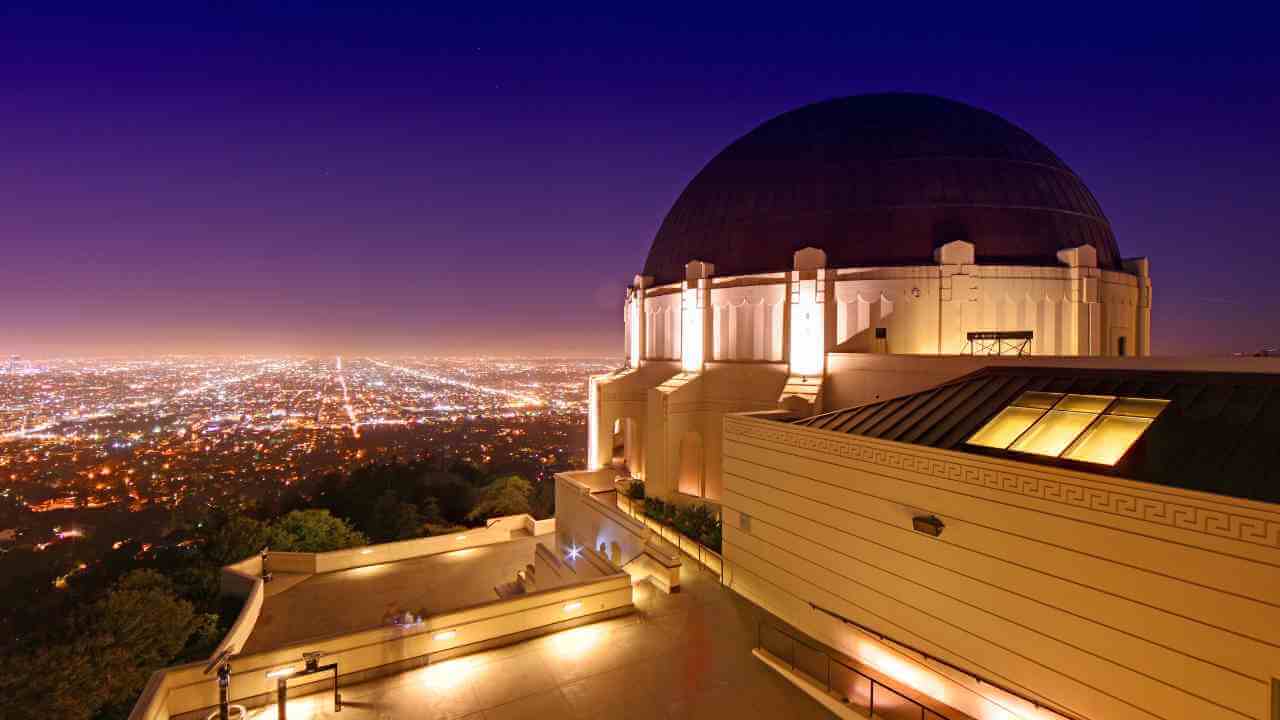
pixel 363 655
pixel 583 519
pixel 186 691
pixel 314 563
pixel 238 580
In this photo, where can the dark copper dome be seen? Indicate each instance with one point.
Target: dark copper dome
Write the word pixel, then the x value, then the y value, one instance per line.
pixel 880 180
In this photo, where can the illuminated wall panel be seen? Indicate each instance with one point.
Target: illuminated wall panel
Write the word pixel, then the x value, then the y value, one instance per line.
pixel 807 328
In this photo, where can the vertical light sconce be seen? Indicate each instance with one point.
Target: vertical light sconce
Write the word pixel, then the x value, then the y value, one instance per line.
pixel 807 326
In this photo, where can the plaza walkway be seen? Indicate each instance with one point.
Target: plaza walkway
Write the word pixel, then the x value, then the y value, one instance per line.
pixel 686 655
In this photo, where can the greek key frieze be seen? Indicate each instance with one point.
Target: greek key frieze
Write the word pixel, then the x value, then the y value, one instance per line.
pixel 1170 513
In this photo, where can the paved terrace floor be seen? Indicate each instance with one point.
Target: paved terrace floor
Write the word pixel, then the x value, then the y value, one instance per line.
pixel 686 655
pixel 367 597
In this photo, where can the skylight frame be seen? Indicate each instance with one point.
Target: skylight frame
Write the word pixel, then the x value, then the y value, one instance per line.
pixel 1126 411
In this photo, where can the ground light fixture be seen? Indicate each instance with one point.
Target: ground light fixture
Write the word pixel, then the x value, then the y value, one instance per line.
pixel 311 666
pixel 281 675
pixel 575 552
pixel 446 635
pixel 575 605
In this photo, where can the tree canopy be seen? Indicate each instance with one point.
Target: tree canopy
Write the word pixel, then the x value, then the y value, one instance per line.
pixel 104 656
pixel 312 531
pixel 142 608
pixel 507 495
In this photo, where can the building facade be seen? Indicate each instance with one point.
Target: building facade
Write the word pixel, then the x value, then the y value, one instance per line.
pixel 794 344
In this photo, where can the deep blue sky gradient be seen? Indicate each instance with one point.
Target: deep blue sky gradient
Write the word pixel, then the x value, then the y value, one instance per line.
pixel 311 178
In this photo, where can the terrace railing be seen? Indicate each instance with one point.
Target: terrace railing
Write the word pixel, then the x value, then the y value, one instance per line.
pixel 860 692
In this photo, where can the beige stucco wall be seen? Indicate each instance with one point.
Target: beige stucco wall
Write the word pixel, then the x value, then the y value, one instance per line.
pixel 695 403
pixel 589 514
pixel 747 319
pixel 1101 597
pixel 624 396
pixel 588 522
pixel 662 324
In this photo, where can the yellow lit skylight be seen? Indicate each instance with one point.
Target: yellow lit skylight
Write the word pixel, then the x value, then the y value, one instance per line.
pixel 1042 400
pixel 1084 403
pixel 1138 407
pixel 1088 428
pixel 1107 441
pixel 1006 427
pixel 1053 433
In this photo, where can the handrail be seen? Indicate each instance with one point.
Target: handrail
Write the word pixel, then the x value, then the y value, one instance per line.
pixel 981 680
pixel 869 705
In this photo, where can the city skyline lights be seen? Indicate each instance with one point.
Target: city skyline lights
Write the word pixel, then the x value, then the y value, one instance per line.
pixel 89 433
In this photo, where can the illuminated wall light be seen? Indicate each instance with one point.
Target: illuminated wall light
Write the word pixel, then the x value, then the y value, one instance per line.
pixel 928 524
pixel 575 552
pixel 915 676
pixel 806 329
pixel 366 551
pixel 446 635
pixel 593 426
pixel 575 605
pixel 461 538
pixel 633 335
pixel 691 341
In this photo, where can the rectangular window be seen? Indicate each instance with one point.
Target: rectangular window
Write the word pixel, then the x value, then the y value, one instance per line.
pixel 1087 428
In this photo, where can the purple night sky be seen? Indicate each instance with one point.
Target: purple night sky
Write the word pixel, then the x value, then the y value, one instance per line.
pixel 355 180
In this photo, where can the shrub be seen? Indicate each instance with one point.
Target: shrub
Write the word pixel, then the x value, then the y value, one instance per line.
pixel 695 521
pixel 635 490
pixel 698 522
pixel 713 537
pixel 663 512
